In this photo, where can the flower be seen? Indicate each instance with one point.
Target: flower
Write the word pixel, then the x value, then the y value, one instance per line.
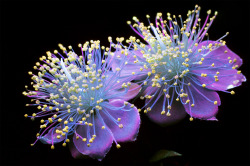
pixel 179 72
pixel 83 100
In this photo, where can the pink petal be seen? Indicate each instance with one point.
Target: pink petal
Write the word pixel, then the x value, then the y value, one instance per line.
pixel 100 146
pixel 51 136
pixel 130 119
pixel 203 109
pixel 177 112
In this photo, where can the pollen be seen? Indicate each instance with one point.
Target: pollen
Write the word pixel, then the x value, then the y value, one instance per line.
pixel 118 146
pixel 120 126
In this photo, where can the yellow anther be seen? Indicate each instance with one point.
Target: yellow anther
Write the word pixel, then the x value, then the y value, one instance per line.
pixel 191 119
pixel 26 115
pixel 203 85
pixel 168 114
pixel 103 127
pixel 118 146
pixel 232 92
pixel 120 126
pixel 215 102
pixel 238 72
pixel 163 112
pixel 192 105
pixel 52 147
pixel 50 120
pixel 64 144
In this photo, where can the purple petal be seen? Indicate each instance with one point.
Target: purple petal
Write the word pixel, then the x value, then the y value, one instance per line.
pixel 213 119
pixel 219 54
pixel 227 79
pixel 177 112
pixel 203 108
pixel 149 90
pixel 51 136
pixel 131 93
pixel 130 67
pixel 129 118
pixel 101 144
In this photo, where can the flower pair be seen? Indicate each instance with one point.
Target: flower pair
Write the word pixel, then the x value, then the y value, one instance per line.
pixel 177 73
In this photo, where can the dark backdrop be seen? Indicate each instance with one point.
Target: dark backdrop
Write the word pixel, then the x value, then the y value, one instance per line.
pixel 30 28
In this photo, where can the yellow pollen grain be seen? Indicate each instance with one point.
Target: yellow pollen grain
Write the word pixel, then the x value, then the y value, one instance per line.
pixel 118 146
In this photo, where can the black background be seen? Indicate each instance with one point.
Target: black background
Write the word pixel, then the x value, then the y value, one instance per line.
pixel 30 28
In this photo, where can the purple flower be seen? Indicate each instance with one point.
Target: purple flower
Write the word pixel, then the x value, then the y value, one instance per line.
pixel 179 72
pixel 85 100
